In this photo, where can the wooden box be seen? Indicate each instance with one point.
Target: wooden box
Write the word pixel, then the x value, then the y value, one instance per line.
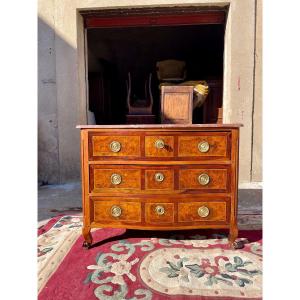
pixel 176 104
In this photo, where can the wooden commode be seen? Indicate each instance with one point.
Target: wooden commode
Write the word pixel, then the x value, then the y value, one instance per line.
pixel 160 177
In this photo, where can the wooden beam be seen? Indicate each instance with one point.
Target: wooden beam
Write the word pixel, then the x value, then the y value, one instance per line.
pixel 212 17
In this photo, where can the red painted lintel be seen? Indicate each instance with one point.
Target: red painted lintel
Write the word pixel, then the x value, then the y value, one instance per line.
pixel 217 17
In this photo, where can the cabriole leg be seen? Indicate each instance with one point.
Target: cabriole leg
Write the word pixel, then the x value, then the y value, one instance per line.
pixel 233 234
pixel 88 240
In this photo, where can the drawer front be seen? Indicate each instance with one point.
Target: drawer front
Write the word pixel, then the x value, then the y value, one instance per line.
pixel 114 146
pixel 114 179
pixel 116 211
pixel 159 212
pixel 204 145
pixel 204 179
pixel 159 179
pixel 159 146
pixel 212 211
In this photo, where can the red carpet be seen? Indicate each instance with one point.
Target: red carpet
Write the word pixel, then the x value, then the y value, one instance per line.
pixel 147 264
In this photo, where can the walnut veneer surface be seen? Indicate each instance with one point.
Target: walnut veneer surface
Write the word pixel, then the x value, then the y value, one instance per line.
pixel 160 177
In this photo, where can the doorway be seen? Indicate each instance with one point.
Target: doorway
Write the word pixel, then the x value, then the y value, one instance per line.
pixel 134 40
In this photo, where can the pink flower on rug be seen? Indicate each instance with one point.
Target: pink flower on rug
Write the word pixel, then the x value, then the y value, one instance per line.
pixel 208 268
pixel 214 269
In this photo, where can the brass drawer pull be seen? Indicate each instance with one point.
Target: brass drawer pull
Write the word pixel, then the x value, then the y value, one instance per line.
pixel 203 211
pixel 116 211
pixel 116 179
pixel 115 146
pixel 204 179
pixel 159 144
pixel 160 210
pixel 159 177
pixel 203 146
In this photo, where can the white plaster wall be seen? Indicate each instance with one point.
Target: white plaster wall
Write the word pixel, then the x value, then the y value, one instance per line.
pixel 257 112
pixel 239 77
pixel 71 75
pixel 48 162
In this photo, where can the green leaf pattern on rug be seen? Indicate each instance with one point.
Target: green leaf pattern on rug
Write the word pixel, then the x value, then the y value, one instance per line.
pixel 196 270
pixel 256 248
pixel 212 273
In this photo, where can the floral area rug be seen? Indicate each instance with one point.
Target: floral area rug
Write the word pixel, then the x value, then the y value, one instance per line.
pixel 54 242
pixel 194 264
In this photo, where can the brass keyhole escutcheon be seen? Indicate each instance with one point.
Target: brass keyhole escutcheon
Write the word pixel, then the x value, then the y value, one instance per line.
pixel 160 210
pixel 203 211
pixel 159 177
pixel 203 147
pixel 116 211
pixel 116 179
pixel 115 146
pixel 204 179
pixel 159 144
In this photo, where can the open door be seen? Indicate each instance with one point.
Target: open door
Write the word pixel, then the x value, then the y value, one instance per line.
pixel 132 41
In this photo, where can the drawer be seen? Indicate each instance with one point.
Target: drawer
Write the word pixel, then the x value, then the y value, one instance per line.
pixel 204 145
pixel 114 146
pixel 204 179
pixel 114 179
pixel 159 212
pixel 159 179
pixel 159 146
pixel 212 211
pixel 116 211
